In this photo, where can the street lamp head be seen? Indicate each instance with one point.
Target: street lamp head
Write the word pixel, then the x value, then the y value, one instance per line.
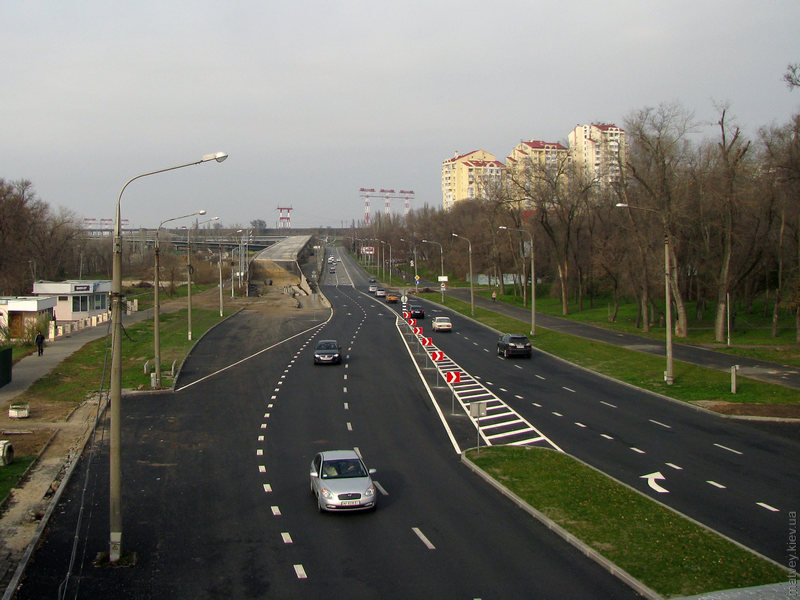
pixel 621 205
pixel 202 211
pixel 217 156
pixel 502 227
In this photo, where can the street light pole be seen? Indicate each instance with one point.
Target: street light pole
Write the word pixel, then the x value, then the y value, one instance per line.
pixel 669 374
pixel 471 290
pixel 156 305
pixel 441 260
pixel 115 397
pixel 533 280
pixel 189 272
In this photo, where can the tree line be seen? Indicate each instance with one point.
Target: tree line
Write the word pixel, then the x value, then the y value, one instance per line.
pixel 712 220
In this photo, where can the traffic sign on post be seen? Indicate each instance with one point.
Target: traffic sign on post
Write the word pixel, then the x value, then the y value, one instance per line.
pixel 452 377
pixel 437 356
pixel 417 330
pixel 427 341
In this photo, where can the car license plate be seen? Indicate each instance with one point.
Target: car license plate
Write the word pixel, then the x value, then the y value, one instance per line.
pixel 350 502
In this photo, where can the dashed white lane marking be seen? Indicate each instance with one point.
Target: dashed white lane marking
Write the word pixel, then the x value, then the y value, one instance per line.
pixel 563 387
pixel 536 404
pixel 345 376
pixel 558 414
pixel 266 415
pixel 261 438
pixel 276 512
pixel 580 425
pixel 715 484
pixel 344 389
pixel 638 450
pixel 347 406
pixel 262 468
pixel 674 466
pixel 287 539
pixel 263 426
pixel 539 377
pixel 349 426
pixel 664 425
pixel 300 572
pixel 518 397
pixel 267 488
pixel 259 452
pixel 605 435
pixel 608 404
pixel 422 537
pixel 502 389
pixel 728 449
pixel 768 507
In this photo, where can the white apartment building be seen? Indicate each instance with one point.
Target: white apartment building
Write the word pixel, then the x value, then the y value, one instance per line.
pixel 600 149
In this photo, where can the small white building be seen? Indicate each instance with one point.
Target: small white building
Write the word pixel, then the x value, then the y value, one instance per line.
pixel 18 313
pixel 76 299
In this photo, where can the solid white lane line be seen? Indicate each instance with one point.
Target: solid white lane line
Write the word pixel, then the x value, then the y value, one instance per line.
pixel 660 423
pixel 768 507
pixel 728 449
pixel 608 404
pixel 300 572
pixel 715 484
pixel 276 512
pixel 422 537
pixel 287 539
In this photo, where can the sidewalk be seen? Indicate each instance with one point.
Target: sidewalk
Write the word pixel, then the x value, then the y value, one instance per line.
pixel 757 369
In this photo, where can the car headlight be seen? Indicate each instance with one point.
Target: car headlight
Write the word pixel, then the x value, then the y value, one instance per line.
pixel 370 491
pixel 326 493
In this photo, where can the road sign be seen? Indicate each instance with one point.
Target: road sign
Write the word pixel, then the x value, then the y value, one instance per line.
pixel 404 300
pixel 412 322
pixel 443 286
pixel 417 330
pixel 427 341
pixel 406 314
pixel 477 409
pixel 442 278
pixel 416 278
pixel 453 377
pixel 437 356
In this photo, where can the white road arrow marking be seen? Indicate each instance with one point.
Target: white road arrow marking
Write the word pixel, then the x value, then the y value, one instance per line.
pixel 651 481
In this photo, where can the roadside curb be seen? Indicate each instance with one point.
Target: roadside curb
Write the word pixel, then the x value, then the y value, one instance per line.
pixel 590 552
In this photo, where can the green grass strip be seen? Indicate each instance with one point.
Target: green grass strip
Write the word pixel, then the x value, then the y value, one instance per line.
pixel 11 474
pixel 667 552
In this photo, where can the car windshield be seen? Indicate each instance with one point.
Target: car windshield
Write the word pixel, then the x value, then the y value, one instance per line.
pixel 336 469
pixel 327 346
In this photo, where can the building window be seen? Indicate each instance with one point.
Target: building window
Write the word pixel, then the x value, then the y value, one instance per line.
pixel 80 304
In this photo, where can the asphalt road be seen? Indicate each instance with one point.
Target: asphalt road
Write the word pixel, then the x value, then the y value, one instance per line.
pixel 216 499
pixel 728 475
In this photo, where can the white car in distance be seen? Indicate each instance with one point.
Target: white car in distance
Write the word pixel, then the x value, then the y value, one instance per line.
pixel 442 324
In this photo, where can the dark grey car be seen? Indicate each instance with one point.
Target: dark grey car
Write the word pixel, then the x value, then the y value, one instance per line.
pixel 514 344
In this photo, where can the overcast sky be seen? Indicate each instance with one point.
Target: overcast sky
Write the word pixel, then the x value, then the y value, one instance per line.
pixel 314 100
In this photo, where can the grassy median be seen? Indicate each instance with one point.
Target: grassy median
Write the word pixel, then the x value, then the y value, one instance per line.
pixel 692 383
pixel 665 551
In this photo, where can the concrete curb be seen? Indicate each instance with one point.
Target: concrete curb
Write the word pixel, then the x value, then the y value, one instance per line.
pixel 601 560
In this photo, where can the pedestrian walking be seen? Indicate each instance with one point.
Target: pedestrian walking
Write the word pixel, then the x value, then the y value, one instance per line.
pixel 39 342
pixel 494 296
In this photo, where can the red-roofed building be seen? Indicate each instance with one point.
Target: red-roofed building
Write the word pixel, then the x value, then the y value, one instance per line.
pixel 600 150
pixel 463 175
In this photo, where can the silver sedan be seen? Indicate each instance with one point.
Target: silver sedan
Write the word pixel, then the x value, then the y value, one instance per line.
pixel 340 481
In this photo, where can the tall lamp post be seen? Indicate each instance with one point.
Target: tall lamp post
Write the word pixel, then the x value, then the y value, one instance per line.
pixel 441 260
pixel 189 273
pixel 669 374
pixel 390 262
pixel 414 253
pixel 115 474
pixel 156 304
pixel 471 291
pixel 533 279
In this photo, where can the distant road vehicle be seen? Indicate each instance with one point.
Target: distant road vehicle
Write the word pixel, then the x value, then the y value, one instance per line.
pixel 380 293
pixel 327 352
pixel 417 311
pixel 442 324
pixel 514 344
pixel 392 297
pixel 373 288
pixel 341 482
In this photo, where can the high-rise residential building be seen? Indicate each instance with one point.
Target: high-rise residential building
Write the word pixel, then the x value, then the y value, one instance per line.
pixel 600 150
pixel 538 154
pixel 463 175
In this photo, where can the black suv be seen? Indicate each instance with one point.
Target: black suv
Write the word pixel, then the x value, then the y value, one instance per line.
pixel 514 344
pixel 417 311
